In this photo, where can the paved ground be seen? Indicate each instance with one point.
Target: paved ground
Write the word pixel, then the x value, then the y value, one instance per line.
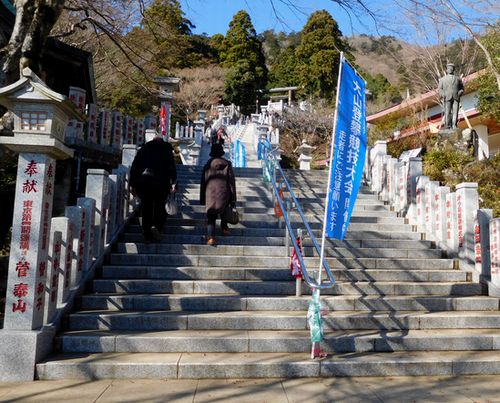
pixel 399 389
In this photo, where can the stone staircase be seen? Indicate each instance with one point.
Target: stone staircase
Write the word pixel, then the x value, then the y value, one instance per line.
pixel 182 309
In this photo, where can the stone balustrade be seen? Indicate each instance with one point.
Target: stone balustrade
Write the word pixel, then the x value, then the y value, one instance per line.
pixel 452 220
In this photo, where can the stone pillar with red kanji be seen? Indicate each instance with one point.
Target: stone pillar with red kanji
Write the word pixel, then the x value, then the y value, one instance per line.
pixel 420 200
pixel 384 195
pixel 430 218
pixel 440 216
pixel 495 251
pixel 451 224
pixel 467 203
pixel 25 295
pixel 40 118
pixel 398 174
pixel 88 206
pixel 414 172
pixel 482 218
pixel 391 164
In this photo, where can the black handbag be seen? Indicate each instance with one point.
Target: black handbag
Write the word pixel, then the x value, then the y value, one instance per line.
pixel 230 215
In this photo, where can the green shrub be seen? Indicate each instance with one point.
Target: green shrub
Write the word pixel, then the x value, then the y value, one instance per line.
pixel 451 167
pixel 442 165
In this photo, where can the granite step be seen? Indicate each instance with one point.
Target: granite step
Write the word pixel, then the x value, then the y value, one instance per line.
pixel 184 239
pixel 310 217
pixel 136 230
pixel 246 287
pixel 314 219
pixel 281 320
pixel 276 274
pixel 87 366
pixel 244 250
pixel 286 341
pixel 192 302
pixel 266 223
pixel 276 262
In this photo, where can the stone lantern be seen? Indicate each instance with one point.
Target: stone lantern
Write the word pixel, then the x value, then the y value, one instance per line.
pixel 305 155
pixel 166 87
pixel 40 119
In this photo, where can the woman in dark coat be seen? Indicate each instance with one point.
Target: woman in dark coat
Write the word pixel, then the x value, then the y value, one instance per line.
pixel 217 190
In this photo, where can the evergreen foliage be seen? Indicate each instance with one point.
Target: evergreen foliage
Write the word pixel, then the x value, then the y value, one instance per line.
pixel 318 55
pixel 241 52
pixel 488 92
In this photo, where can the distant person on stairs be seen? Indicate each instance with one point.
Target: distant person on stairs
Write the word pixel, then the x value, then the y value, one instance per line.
pixel 217 190
pixel 152 177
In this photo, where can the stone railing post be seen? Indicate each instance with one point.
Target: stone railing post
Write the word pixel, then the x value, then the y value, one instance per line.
pixel 467 203
pixel 377 152
pixel 451 225
pixel 114 209
pixel 76 216
pixel 384 194
pixel 402 188
pixel 414 172
pixel 61 225
pixel 53 268
pixel 391 180
pixel 430 217
pixel 98 189
pixel 482 218
pixel 420 193
pixel 440 216
pixel 88 206
pixel 495 253
pixel 398 174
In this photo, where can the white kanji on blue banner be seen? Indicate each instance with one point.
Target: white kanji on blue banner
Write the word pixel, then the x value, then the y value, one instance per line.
pixel 350 152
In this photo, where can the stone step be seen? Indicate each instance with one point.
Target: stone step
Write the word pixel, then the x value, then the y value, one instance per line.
pixel 191 302
pixel 134 230
pixel 256 287
pixel 265 365
pixel 266 195
pixel 243 250
pixel 280 241
pixel 294 217
pixel 229 273
pixel 281 320
pixel 288 341
pixel 317 211
pixel 276 262
pixel 265 222
pixel 256 187
pixel 315 207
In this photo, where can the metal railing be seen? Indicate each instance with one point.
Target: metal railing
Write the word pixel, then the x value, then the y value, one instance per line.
pixel 271 164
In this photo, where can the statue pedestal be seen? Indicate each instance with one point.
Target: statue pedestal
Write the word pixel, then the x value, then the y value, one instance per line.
pixel 455 138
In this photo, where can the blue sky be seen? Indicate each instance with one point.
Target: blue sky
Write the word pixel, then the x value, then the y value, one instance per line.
pixel 213 16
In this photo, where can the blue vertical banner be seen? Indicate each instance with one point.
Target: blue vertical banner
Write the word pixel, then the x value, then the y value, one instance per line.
pixel 350 151
pixel 240 155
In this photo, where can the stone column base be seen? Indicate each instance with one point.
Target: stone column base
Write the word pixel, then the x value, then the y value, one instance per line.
pixel 20 350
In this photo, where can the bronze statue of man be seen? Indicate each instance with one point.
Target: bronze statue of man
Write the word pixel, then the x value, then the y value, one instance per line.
pixel 450 90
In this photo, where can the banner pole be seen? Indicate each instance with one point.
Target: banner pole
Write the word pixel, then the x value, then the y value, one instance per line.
pixel 330 169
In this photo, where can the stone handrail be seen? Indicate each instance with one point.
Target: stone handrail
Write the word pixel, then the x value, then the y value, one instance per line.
pixel 452 220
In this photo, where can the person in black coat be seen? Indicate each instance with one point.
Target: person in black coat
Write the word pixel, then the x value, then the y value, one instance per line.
pixel 152 176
